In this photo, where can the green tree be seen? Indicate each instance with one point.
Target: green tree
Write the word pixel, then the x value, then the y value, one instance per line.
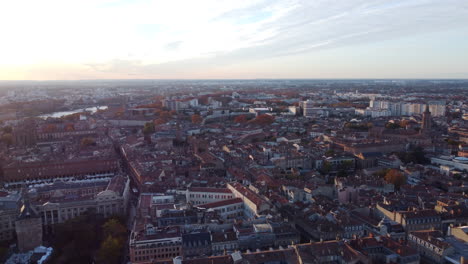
pixel 148 128
pixel 326 167
pixel 390 125
pixel 110 251
pixel 114 227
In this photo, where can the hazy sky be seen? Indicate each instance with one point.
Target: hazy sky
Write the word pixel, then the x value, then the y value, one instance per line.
pixel 103 39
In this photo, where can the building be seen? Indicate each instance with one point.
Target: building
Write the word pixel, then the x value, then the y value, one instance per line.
pixel 426 121
pixel 460 233
pixel 203 195
pixel 196 244
pixel 148 243
pixel 28 228
pixel 309 110
pixel 430 245
pixel 419 220
pixel 254 204
pixel 399 108
pixel 10 204
pixel 17 172
pixel 224 242
pixel 59 202
pixel 228 210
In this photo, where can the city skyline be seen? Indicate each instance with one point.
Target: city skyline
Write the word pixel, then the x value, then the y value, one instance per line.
pixel 54 40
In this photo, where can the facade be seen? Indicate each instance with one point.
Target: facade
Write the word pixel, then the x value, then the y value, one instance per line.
pixel 254 205
pixel 228 210
pixel 398 108
pixel 202 195
pixel 150 244
pixel 430 245
pixel 9 207
pixel 196 244
pixel 28 228
pixel 57 204
pixel 224 242
pixel 419 220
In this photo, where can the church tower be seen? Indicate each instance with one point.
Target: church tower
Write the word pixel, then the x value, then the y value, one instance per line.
pixel 426 121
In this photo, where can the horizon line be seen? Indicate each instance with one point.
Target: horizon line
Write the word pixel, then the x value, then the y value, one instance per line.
pixel 239 79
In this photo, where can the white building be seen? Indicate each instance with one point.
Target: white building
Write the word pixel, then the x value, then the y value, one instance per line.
pixel 228 210
pixel 202 195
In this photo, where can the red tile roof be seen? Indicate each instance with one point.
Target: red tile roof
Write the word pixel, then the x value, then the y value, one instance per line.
pixel 210 190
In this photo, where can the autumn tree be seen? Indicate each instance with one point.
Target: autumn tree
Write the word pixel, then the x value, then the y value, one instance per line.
pixel 240 119
pixel 395 177
pixel 196 119
pixel 165 115
pixel 50 128
pixel 69 127
pixel 159 121
pixel 87 141
pixel 264 119
pixel 404 123
pixel 7 139
pixel 7 129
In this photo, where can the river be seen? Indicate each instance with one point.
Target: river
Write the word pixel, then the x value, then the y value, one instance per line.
pixel 70 112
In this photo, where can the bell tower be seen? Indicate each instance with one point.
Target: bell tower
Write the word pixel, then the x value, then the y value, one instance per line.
pixel 426 121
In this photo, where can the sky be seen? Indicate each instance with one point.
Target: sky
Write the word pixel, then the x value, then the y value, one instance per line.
pixel 232 39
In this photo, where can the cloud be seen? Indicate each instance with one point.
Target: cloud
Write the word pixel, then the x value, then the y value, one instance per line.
pixel 180 37
pixel 173 45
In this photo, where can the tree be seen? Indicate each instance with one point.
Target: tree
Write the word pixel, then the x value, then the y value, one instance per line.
pixel 240 119
pixel 326 167
pixel 381 173
pixel 87 141
pixel 329 153
pixel 7 139
pixel 417 156
pixel 110 251
pixel 7 130
pixel 165 115
pixel 390 125
pixel 404 123
pixel 75 240
pixel 264 119
pixel 115 234
pixel 69 127
pixel 50 128
pixel 159 121
pixel 148 128
pixel 395 177
pixel 196 119
pixel 114 227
